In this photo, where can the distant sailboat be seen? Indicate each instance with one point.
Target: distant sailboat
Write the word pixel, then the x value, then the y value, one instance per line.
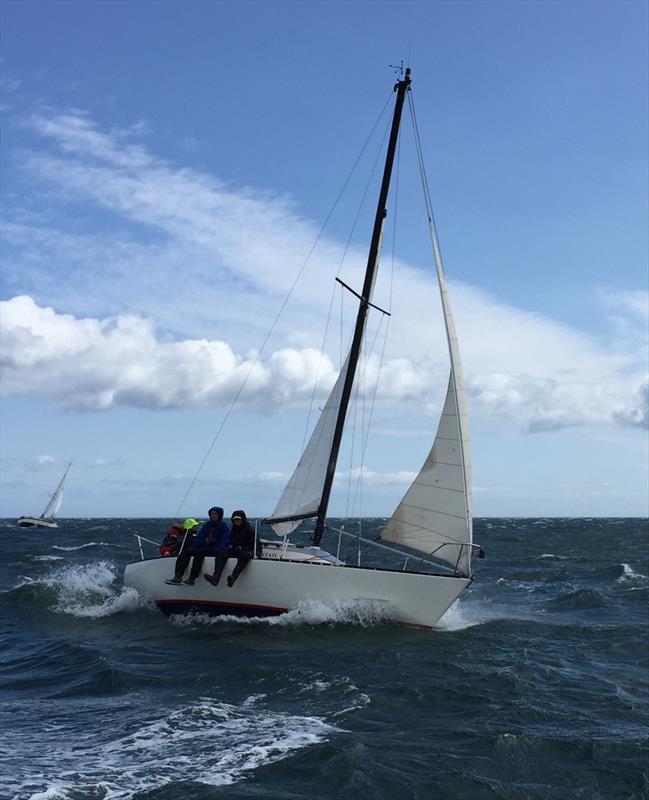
pixel 433 520
pixel 46 519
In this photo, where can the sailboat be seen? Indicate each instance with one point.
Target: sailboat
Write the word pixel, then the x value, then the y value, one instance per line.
pixel 47 518
pixel 431 526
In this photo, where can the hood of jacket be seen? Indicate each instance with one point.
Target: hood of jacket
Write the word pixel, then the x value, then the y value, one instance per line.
pixel 219 511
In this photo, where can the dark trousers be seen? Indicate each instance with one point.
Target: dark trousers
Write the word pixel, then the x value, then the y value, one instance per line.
pixel 185 557
pixel 243 556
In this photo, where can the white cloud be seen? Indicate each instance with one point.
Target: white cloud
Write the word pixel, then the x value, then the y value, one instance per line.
pixel 636 412
pixel 99 364
pixel 45 460
pixel 273 477
pixel 180 276
pixel 635 302
pixel 374 478
pixel 545 404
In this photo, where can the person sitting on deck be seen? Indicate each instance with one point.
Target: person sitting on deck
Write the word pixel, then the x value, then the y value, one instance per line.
pixel 189 530
pixel 212 539
pixel 241 547
pixel 173 540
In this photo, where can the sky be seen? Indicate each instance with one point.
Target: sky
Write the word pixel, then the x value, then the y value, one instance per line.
pixel 170 320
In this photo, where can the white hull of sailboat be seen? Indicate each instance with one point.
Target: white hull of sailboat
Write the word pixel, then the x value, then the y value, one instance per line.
pixel 37 522
pixel 269 587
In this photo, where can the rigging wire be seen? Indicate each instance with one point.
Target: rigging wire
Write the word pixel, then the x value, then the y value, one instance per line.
pixel 440 267
pixel 281 310
pixel 424 180
pixel 395 195
pixel 355 401
pixel 340 266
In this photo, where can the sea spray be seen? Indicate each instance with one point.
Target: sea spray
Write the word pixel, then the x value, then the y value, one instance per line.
pixel 363 613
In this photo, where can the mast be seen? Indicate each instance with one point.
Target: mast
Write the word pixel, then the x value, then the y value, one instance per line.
pixel 401 87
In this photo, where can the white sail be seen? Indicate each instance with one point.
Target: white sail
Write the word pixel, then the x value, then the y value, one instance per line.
pixel 52 508
pixel 435 515
pixel 303 492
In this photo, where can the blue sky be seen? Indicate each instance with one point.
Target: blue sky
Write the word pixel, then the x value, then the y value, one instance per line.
pixel 166 169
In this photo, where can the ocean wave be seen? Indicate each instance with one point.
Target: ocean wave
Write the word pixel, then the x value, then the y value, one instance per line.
pixel 57 792
pixel 47 558
pixel 209 742
pixel 127 600
pixel 81 546
pixel 535 575
pixel 339 690
pixel 629 574
pixel 577 600
pixel 363 613
pixel 463 615
pixel 79 590
pixel 459 617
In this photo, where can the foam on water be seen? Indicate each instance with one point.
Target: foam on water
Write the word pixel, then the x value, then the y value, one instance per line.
pixel 127 600
pixel 535 673
pixel 86 590
pixel 629 574
pixel 81 546
pixel 209 742
pixel 52 793
pixel 459 617
pixel 462 615
pixel 363 613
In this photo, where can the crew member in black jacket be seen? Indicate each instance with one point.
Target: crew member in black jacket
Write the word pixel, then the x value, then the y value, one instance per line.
pixel 241 547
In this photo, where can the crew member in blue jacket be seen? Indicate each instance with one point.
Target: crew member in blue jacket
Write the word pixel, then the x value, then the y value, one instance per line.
pixel 241 545
pixel 212 540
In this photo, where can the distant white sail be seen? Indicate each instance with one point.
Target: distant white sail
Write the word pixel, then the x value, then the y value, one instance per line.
pixel 303 492
pixel 435 515
pixel 52 508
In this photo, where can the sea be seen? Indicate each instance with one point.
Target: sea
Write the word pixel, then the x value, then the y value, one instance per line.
pixel 533 686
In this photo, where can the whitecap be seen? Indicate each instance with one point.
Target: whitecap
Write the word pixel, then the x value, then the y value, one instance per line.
pixel 47 558
pixel 81 546
pixel 458 617
pixel 52 793
pixel 254 698
pixel 127 600
pixel 361 701
pixel 629 574
pixel 363 613
pixel 211 742
pixel 87 591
